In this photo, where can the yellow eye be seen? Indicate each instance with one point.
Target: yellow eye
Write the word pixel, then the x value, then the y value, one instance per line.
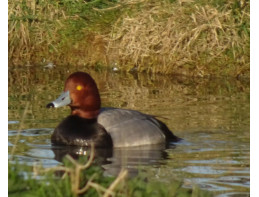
pixel 79 87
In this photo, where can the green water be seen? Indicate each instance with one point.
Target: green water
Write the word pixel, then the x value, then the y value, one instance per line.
pixel 211 115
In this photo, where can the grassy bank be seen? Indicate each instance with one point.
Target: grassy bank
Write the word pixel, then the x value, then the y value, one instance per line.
pixel 197 38
pixel 84 179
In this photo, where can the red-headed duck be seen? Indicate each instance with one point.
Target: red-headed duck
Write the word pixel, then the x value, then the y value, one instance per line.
pixel 105 127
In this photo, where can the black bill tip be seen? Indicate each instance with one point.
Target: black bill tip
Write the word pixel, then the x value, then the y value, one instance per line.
pixel 50 105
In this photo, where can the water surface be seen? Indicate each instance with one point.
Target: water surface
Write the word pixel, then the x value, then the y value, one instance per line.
pixel 211 115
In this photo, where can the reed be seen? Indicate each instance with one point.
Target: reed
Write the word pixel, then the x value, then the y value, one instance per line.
pixel 19 130
pixel 75 172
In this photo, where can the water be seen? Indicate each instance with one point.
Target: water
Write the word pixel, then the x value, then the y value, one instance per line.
pixel 211 115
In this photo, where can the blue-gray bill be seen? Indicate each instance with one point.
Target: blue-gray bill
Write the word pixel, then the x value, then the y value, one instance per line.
pixel 62 100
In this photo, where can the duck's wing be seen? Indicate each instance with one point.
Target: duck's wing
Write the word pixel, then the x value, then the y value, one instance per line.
pixel 133 128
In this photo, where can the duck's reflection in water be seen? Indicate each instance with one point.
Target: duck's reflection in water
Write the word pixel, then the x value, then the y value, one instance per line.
pixel 113 160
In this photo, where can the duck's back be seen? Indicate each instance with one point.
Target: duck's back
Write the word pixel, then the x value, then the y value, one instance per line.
pixel 133 128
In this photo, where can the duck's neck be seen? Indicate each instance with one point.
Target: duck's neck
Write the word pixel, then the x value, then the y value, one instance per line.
pixel 85 114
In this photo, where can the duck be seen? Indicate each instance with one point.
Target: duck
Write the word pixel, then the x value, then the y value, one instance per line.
pixel 105 127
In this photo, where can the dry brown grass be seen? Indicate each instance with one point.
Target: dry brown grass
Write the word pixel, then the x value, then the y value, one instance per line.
pixel 186 37
pixel 176 38
pixel 90 51
pixel 75 174
pixel 36 35
pixel 33 30
pixel 21 125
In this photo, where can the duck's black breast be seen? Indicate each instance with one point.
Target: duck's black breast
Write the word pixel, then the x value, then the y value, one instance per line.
pixel 78 131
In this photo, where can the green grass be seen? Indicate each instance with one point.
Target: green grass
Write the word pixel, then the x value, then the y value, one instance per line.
pixel 22 183
pixel 24 180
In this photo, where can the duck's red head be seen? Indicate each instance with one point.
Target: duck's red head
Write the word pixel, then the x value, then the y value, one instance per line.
pixel 81 94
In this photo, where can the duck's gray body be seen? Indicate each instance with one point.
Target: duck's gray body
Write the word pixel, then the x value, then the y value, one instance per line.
pixel 133 128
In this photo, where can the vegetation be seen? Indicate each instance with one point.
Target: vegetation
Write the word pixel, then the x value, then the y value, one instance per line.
pixel 82 178
pixel 197 38
pixel 76 179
